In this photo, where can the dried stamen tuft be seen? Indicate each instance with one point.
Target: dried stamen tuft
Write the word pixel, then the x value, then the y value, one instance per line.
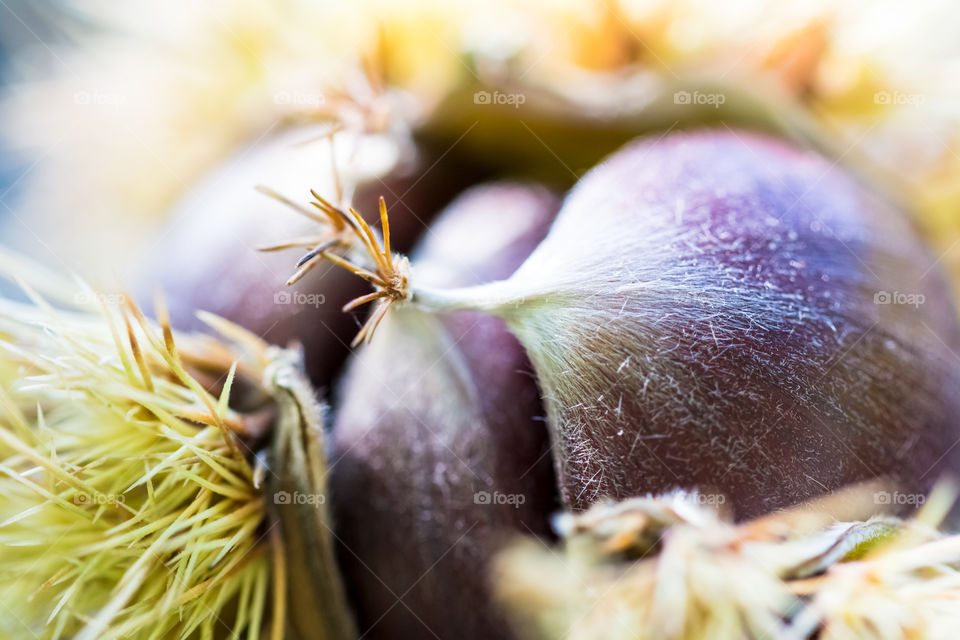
pixel 388 273
pixel 363 103
pixel 339 236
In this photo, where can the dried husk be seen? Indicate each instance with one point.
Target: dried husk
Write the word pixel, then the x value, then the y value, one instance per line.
pixel 314 591
pixel 669 568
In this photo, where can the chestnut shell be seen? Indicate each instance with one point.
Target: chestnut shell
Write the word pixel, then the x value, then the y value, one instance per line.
pixel 723 311
pixel 439 449
pixel 206 258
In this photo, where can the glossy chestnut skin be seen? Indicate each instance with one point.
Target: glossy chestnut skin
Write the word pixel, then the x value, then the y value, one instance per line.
pixel 439 450
pixel 720 310
pixel 206 257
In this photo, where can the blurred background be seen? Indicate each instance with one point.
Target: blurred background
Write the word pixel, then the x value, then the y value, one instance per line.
pixel 24 28
pixel 117 119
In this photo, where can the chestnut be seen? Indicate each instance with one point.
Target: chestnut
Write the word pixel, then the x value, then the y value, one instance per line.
pixel 439 450
pixel 724 311
pixel 206 257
